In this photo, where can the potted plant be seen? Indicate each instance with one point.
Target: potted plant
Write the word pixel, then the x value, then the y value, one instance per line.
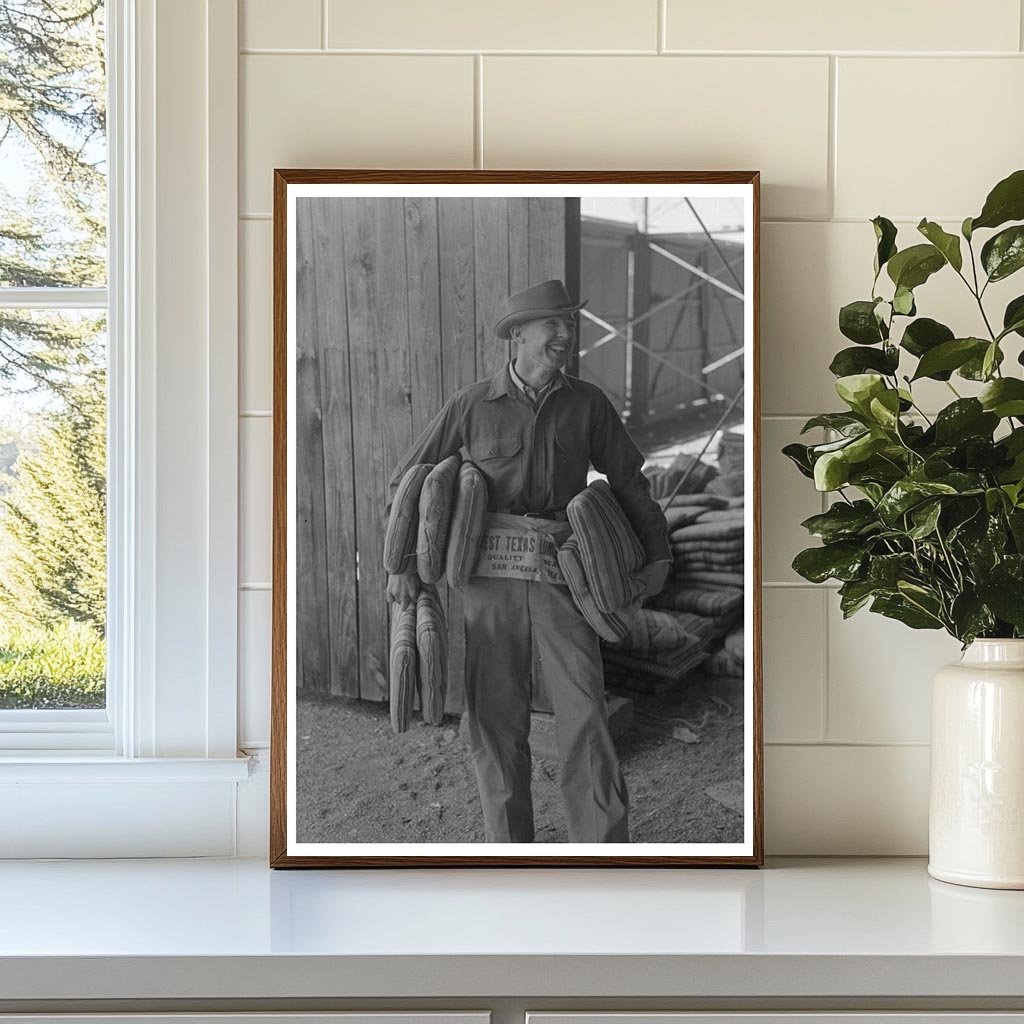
pixel 926 524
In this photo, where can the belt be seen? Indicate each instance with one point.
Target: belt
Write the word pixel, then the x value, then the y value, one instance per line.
pixel 558 515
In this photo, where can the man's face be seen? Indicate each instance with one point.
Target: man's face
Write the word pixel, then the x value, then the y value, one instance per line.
pixel 545 342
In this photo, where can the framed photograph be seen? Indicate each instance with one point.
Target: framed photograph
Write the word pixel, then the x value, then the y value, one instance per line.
pixel 516 577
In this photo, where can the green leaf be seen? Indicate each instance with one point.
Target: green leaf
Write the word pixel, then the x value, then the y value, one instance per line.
pixel 949 355
pixel 854 594
pixel 1013 317
pixel 831 471
pixel 912 267
pixel 947 244
pixel 885 236
pixel 965 228
pixel 970 616
pixel 840 561
pixel 903 302
pixel 906 494
pixel 1003 254
pixel 799 455
pixel 858 389
pixel 991 360
pixel 925 518
pixel 1004 597
pixel 842 521
pixel 966 417
pixel 923 335
pixel 856 360
pixel 885 571
pixel 841 421
pixel 897 607
pixel 885 409
pixel 857 321
pixel 1005 202
pixel 1004 397
pixel 974 368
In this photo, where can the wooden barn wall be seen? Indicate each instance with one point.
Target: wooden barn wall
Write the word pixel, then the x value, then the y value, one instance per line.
pixel 703 325
pixel 395 305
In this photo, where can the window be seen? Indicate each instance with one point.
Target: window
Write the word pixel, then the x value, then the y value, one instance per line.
pixel 53 370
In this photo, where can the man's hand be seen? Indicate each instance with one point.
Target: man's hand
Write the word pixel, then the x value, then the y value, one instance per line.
pixel 403 589
pixel 650 579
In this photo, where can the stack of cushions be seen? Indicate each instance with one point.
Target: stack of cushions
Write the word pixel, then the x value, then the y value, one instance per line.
pixel 608 548
pixel 709 546
pixel 607 625
pixel 437 498
pixel 468 523
pixel 728 661
pixel 432 650
pixel 661 647
pixel 722 605
pixel 401 531
pixel 402 665
pixel 418 660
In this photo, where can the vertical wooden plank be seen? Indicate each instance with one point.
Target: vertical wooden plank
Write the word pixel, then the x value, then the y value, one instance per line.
pixel 490 241
pixel 424 302
pixel 641 331
pixel 518 244
pixel 331 330
pixel 572 262
pixel 312 634
pixel 458 294
pixel 547 239
pixel 376 290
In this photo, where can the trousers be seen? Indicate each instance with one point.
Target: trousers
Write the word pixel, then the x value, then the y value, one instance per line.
pixel 506 620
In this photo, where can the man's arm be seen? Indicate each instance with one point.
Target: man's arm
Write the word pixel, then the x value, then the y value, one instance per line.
pixel 613 453
pixel 441 437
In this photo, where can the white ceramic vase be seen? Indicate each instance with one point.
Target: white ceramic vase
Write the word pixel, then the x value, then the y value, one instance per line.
pixel 976 812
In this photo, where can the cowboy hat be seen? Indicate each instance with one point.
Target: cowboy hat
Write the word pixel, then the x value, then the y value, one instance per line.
pixel 544 299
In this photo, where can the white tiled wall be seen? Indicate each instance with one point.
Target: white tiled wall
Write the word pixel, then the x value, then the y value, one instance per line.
pixel 909 110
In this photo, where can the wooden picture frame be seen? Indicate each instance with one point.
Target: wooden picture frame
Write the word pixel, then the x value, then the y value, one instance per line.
pixel 387 287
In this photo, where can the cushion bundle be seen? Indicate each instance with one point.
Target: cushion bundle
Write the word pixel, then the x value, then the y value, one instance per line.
pixel 608 625
pixel 402 665
pixel 468 523
pixel 435 514
pixel 418 660
pixel 400 534
pixel 432 650
pixel 728 660
pixel 608 547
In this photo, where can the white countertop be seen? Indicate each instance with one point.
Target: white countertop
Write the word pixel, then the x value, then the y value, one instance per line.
pixel 234 929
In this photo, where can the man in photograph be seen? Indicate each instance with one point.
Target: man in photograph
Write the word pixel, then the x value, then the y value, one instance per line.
pixel 534 432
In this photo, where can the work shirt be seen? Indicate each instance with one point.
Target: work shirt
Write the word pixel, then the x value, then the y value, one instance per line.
pixel 536 458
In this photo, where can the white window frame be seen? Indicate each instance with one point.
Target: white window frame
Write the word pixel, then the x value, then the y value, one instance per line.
pixel 172 508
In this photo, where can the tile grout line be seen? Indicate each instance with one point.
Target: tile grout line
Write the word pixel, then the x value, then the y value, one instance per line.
pixel 768 55
pixel 323 24
pixel 478 111
pixel 831 171
pixel 662 41
pixel 825 725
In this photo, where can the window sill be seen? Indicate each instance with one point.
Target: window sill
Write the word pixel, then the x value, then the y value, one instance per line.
pixel 76 766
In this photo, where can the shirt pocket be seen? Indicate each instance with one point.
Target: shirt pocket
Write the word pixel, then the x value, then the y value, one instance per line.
pixel 497 456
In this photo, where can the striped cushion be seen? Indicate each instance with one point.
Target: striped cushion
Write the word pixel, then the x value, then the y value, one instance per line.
pixel 436 500
pixel 432 647
pixel 403 665
pixel 608 547
pixel 609 626
pixel 698 599
pixel 400 535
pixel 695 500
pixel 653 630
pixel 469 521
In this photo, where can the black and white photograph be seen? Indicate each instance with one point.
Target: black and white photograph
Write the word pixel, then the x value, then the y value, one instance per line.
pixel 516 572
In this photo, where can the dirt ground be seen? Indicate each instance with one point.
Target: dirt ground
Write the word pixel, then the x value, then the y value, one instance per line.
pixel 358 782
